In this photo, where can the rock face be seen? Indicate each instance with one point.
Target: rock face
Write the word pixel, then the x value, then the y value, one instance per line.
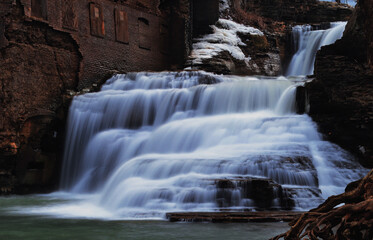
pixel 263 193
pixel 234 48
pixel 341 97
pixel 306 11
pixel 267 53
pixel 38 64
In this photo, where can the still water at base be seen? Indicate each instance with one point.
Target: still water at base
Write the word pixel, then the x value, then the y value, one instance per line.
pixel 17 221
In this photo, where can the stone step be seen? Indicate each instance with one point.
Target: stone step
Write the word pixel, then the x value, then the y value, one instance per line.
pixel 218 217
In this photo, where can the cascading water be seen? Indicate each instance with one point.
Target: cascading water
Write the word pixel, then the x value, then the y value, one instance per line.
pixel 150 143
pixel 306 42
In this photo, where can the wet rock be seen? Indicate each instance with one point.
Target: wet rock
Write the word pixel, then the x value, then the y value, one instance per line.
pixel 301 100
pixel 32 91
pixel 217 217
pixel 262 192
pixel 341 99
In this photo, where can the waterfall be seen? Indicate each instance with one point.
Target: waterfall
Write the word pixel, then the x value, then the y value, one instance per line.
pixel 307 42
pixel 151 143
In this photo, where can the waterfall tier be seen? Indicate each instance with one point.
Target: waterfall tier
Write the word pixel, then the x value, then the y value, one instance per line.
pixel 150 143
pixel 307 42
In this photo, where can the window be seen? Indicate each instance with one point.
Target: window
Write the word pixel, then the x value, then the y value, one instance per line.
pixel 69 19
pixel 97 20
pixel 164 38
pixel 144 33
pixel 121 26
pixel 39 9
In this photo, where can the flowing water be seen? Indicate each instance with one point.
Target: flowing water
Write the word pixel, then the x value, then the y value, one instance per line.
pixel 15 225
pixel 306 42
pixel 152 143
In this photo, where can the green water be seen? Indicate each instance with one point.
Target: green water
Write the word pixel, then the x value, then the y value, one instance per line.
pixel 18 224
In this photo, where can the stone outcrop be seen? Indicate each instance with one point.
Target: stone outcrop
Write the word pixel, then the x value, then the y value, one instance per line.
pixel 262 192
pixel 38 64
pixel 300 12
pixel 243 52
pixel 223 217
pixel 267 54
pixel 341 99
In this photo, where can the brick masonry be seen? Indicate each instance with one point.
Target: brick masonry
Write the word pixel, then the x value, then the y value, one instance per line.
pixel 102 54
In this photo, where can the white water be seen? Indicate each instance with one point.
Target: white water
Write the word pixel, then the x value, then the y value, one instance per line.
pixel 151 143
pixel 307 42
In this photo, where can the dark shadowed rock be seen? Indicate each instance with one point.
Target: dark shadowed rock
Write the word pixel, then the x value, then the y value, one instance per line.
pixel 217 217
pixel 341 99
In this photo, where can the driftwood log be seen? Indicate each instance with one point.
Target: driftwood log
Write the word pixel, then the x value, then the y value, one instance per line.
pixel 353 220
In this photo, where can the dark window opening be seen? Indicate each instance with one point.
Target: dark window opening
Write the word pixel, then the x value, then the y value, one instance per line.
pixel 97 20
pixel 144 33
pixel 121 26
pixel 69 19
pixel 39 9
pixel 165 42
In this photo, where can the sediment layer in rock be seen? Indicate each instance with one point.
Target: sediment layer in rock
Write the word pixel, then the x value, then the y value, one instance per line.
pixel 217 217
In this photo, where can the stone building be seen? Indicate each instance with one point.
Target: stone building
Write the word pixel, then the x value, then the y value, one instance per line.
pixel 115 35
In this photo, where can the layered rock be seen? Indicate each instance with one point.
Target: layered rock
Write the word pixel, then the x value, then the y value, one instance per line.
pixel 267 53
pixel 38 64
pixel 237 49
pixel 306 11
pixel 341 97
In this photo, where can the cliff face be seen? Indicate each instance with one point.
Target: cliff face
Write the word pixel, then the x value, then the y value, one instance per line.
pixel 37 65
pixel 306 11
pixel 265 54
pixel 341 97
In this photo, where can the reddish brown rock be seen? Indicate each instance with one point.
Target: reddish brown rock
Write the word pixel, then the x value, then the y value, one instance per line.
pixel 38 64
pixel 306 11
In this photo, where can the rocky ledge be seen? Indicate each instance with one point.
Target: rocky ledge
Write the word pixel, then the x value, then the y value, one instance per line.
pixel 244 52
pixel 219 217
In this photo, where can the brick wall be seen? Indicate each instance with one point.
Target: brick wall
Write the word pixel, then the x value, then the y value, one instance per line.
pixel 102 54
